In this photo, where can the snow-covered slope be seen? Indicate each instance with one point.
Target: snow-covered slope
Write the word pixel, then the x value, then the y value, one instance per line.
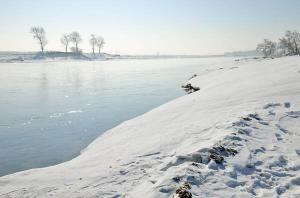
pixel 238 136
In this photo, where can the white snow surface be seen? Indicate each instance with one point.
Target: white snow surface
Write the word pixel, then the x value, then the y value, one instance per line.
pixel 251 106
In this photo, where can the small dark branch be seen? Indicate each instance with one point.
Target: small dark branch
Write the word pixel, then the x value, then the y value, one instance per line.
pixel 193 76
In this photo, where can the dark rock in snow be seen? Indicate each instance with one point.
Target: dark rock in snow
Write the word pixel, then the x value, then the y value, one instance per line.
pixel 217 158
pixel 219 148
pixel 183 191
pixel 254 116
pixel 287 105
pixel 231 151
pixel 189 88
pixel 176 179
pixel 247 119
pixel 195 164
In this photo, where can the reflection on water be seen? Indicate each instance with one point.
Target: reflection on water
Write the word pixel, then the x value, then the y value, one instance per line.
pixel 51 111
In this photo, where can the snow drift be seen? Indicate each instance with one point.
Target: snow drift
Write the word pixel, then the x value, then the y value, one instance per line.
pixel 238 136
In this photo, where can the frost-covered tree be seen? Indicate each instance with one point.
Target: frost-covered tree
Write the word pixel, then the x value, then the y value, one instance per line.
pixel 285 46
pixel 39 34
pixel 93 42
pixel 76 39
pixel 100 43
pixel 65 40
pixel 268 47
pixel 290 43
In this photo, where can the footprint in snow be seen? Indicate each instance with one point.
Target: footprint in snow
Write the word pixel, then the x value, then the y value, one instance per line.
pixel 271 105
pixel 278 137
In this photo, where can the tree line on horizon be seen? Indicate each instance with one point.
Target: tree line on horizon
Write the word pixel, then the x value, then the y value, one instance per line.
pixel 288 45
pixel 95 41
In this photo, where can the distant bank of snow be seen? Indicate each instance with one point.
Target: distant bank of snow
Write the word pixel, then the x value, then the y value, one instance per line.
pixel 17 57
pixel 238 136
pixel 12 57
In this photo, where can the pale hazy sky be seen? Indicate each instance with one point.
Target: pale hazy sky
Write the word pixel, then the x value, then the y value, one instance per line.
pixel 149 26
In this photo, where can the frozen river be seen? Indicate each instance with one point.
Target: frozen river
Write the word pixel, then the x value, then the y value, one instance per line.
pixel 51 111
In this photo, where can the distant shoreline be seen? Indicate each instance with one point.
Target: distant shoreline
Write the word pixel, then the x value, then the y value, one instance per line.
pixel 19 57
pixel 54 56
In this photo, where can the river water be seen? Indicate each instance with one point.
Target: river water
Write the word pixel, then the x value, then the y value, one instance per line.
pixel 50 111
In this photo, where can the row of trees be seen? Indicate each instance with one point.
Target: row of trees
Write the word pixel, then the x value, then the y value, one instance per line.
pixel 288 45
pixel 40 35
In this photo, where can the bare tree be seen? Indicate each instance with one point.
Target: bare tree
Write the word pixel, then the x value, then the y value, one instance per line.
pixel 75 38
pixel 39 34
pixel 93 42
pixel 100 43
pixel 268 47
pixel 290 42
pixel 65 40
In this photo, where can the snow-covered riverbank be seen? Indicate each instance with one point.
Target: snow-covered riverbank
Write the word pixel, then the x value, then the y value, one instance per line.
pixel 237 136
